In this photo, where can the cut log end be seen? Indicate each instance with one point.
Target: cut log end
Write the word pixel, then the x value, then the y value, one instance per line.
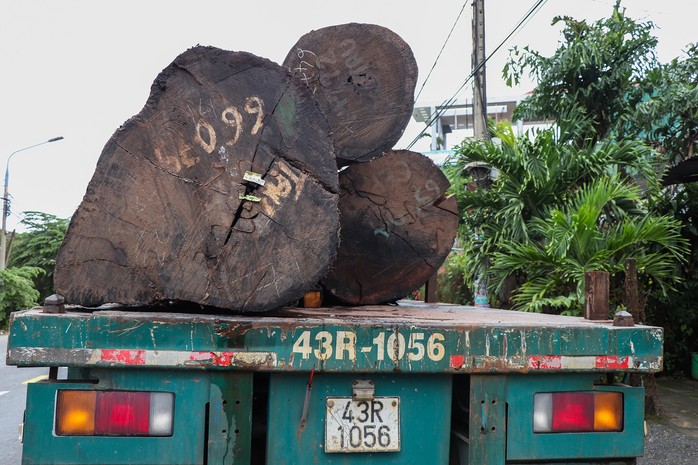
pixel 363 77
pixel 397 227
pixel 222 191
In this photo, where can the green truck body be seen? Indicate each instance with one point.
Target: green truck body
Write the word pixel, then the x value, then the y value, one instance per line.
pixel 413 383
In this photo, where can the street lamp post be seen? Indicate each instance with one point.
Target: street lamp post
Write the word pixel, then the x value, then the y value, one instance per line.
pixel 6 199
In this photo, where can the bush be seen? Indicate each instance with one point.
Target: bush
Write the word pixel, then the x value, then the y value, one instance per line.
pixel 451 286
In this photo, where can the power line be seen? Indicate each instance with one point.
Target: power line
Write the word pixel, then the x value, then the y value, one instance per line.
pixel 441 51
pixel 447 104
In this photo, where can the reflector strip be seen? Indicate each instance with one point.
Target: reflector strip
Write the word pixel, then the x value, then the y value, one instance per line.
pixel 24 356
pixel 562 362
pixel 181 358
pixel 552 362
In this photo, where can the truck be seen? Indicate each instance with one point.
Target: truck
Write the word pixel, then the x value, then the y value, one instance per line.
pixel 406 383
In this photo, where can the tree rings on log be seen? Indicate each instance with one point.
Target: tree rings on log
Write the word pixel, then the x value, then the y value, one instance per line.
pixel 363 76
pixel 222 191
pixel 397 227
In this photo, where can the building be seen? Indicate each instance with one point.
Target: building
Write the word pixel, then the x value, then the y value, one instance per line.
pixel 456 122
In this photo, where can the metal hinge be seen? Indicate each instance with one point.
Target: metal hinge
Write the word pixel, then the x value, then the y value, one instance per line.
pixel 363 389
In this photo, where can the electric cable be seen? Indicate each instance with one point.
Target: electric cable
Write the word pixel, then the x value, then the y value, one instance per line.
pixel 441 51
pixel 447 104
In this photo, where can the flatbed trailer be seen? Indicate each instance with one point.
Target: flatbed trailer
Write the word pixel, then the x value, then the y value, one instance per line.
pixel 413 383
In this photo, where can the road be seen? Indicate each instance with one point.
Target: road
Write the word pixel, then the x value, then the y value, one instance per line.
pixel 13 394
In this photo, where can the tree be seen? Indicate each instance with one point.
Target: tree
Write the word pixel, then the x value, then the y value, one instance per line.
pixel 590 74
pixel 38 247
pixel 668 115
pixel 676 311
pixel 667 118
pixel 535 175
pixel 601 226
pixel 17 290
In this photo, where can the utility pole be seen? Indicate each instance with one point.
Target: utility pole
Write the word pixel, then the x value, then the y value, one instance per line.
pixel 479 81
pixel 480 130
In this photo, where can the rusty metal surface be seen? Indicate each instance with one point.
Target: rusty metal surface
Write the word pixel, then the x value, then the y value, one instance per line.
pixel 412 337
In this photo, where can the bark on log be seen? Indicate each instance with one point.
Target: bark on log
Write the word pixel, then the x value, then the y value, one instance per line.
pixel 397 227
pixel 176 209
pixel 363 76
pixel 632 302
pixel 596 292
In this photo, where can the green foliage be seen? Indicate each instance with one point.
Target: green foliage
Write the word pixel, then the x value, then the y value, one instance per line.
pixel 39 246
pixel 598 229
pixel 676 311
pixel 451 286
pixel 537 177
pixel 569 201
pixel 589 75
pixel 17 290
pixel 668 116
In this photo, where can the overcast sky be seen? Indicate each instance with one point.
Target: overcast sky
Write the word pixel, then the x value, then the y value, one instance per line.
pixel 79 69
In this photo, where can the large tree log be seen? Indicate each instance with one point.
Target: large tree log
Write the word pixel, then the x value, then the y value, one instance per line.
pixel 363 76
pixel 176 209
pixel 397 227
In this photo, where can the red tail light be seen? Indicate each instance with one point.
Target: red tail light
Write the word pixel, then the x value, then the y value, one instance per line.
pixel 565 412
pixel 573 411
pixel 122 413
pixel 114 413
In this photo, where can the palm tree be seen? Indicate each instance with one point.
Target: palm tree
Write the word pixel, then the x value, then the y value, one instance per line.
pixel 594 231
pixel 533 176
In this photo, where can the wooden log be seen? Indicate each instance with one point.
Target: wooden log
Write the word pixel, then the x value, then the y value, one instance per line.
pixel 596 292
pixel 397 227
pixel 222 191
pixel 363 77
pixel 632 302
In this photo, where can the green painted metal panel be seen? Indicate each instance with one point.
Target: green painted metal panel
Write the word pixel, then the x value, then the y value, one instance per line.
pixel 523 444
pixel 415 339
pixel 488 427
pixel 185 447
pixel 425 409
pixel 230 419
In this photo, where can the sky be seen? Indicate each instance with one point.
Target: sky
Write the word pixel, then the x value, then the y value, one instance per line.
pixel 79 69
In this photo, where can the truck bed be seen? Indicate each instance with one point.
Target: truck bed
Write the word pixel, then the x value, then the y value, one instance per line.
pixel 410 337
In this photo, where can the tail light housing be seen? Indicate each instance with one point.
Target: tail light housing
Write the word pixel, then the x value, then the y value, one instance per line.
pixel 577 412
pixel 114 413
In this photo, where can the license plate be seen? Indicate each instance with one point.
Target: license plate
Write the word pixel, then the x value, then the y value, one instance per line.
pixel 362 426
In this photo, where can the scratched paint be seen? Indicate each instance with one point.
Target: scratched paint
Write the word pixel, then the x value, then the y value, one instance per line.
pixel 418 338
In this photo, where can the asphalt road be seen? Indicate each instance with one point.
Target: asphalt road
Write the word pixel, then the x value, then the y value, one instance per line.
pixel 664 445
pixel 13 395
